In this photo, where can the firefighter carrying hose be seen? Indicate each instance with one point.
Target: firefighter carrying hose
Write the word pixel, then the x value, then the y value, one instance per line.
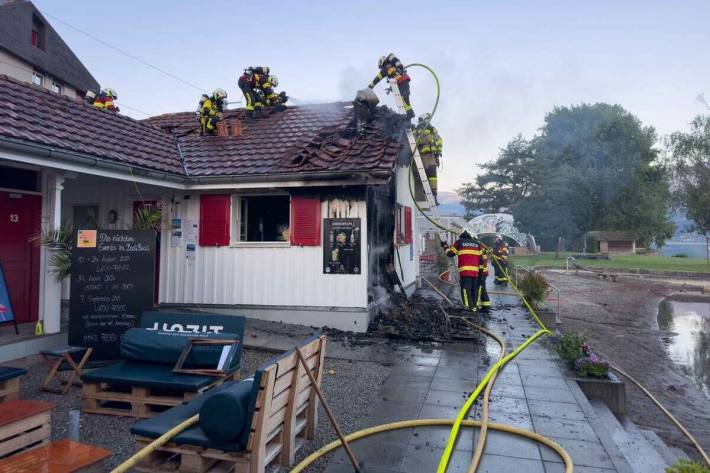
pixel 430 145
pixel 210 111
pixel 484 302
pixel 500 253
pixel 250 83
pixel 469 253
pixel 392 68
pixel 271 98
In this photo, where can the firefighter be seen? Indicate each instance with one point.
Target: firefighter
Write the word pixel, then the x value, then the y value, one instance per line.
pixel 500 264
pixel 430 145
pixel 392 68
pixel 211 111
pixel 271 98
pixel 469 259
pixel 484 302
pixel 105 101
pixel 249 83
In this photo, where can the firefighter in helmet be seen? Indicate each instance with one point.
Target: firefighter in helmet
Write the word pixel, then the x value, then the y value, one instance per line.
pixel 500 263
pixel 468 252
pixel 392 68
pixel 250 82
pixel 105 99
pixel 430 145
pixel 211 109
pixel 483 302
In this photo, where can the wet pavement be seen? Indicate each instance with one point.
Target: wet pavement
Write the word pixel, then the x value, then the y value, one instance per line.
pixel 530 392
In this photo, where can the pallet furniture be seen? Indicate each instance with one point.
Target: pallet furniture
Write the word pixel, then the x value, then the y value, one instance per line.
pixel 281 414
pixel 71 358
pixel 143 383
pixel 62 456
pixel 10 382
pixel 24 424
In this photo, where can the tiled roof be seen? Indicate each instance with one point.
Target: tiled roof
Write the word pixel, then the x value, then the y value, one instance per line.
pixel 303 139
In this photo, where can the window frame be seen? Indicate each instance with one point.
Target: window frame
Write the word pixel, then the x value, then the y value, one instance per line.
pixel 40 76
pixel 56 85
pixel 236 223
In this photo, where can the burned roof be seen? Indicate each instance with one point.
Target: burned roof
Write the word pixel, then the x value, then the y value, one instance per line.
pixel 54 57
pixel 304 139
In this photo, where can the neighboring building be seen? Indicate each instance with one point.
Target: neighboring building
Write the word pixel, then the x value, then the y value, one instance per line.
pixel 32 51
pixel 430 235
pixel 260 202
pixel 612 242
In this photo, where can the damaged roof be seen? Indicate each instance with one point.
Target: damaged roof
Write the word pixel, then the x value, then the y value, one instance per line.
pixel 304 139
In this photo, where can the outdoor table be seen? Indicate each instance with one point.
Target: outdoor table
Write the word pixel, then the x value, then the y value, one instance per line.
pixel 24 424
pixel 63 456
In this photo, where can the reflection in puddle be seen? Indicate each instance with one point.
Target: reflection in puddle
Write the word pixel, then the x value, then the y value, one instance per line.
pixel 689 346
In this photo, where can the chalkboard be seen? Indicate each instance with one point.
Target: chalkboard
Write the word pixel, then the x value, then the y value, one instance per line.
pixel 111 285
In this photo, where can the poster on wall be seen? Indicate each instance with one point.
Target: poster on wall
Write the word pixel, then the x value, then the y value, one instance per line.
pixel 341 246
pixel 6 312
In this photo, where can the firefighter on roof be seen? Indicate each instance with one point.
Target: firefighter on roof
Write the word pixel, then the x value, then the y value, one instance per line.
pixel 271 98
pixel 392 68
pixel 430 145
pixel 469 259
pixel 500 253
pixel 250 83
pixel 211 111
pixel 105 100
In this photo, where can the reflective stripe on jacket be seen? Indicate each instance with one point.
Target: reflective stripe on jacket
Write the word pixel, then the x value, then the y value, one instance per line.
pixel 469 257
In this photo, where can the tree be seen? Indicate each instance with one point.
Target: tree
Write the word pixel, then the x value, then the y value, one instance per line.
pixel 591 167
pixel 691 156
pixel 506 180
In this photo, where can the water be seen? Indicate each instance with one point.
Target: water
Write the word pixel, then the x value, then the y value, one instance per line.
pixel 689 344
pixel 694 249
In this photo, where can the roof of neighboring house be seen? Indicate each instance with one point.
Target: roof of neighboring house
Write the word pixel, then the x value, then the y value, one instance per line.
pixel 57 59
pixel 304 139
pixel 612 235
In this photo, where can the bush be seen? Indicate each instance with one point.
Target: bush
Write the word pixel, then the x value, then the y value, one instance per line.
pixel 687 466
pixel 680 255
pixel 591 366
pixel 570 347
pixel 534 288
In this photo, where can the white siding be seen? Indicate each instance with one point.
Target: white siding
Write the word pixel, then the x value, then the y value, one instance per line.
pixel 259 275
pixel 408 255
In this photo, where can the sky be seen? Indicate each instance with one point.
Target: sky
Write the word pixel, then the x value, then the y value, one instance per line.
pixel 502 65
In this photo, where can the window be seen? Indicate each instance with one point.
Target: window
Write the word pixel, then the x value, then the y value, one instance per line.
pixel 38 37
pixel 86 217
pixel 37 79
pixel 263 218
pixel 56 87
pixel 403 224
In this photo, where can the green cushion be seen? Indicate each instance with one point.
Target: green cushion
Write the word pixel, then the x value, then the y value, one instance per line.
pixel 132 373
pixel 223 415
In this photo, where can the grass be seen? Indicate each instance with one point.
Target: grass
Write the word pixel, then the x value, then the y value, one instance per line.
pixel 651 262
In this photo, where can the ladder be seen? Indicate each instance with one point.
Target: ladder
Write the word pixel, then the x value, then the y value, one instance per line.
pixel 415 153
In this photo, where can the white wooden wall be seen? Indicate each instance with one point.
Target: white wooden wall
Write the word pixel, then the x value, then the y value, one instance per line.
pixel 408 254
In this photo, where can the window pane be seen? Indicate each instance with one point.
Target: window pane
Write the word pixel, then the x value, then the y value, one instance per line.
pixel 264 218
pixel 37 78
pixel 56 88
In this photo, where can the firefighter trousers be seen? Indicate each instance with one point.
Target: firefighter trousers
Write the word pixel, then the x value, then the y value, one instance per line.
pixel 484 302
pixel 253 99
pixel 501 269
pixel 404 92
pixel 469 291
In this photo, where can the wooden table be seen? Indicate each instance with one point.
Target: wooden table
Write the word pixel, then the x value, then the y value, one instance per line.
pixel 24 424
pixel 63 456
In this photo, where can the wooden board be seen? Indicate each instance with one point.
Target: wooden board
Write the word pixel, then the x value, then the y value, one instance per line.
pixel 63 456
pixel 13 411
pixel 9 389
pixel 101 398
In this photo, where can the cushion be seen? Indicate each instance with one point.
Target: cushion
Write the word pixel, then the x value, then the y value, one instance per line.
pixel 8 372
pixel 152 346
pixel 223 415
pixel 132 373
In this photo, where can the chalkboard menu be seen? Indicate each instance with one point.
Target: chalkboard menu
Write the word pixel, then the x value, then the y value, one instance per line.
pixel 111 285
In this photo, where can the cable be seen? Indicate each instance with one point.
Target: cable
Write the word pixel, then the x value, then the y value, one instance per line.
pixel 137 59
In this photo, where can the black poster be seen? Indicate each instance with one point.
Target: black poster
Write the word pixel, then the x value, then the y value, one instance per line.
pixel 341 246
pixel 111 285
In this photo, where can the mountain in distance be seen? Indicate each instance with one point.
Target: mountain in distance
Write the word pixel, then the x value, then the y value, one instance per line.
pixel 450 204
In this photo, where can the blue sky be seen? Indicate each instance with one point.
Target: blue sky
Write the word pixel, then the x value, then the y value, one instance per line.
pixel 502 65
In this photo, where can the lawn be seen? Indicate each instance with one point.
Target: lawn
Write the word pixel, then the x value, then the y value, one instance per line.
pixel 652 262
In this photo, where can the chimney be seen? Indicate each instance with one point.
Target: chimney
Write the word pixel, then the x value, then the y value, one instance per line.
pixel 222 128
pixel 237 128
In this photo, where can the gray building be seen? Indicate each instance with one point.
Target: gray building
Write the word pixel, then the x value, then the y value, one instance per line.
pixel 32 51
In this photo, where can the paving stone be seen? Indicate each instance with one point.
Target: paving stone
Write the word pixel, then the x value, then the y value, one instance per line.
pixel 445 398
pixel 402 393
pixel 408 381
pixel 511 405
pixel 547 394
pixel 552 467
pixel 504 464
pixel 507 444
pixel 582 452
pixel 455 385
pixel 348 468
pixel 412 369
pixel 541 369
pixel 443 372
pixel 466 364
pixel 508 390
pixel 419 360
pixel 437 412
pixel 436 437
pixel 522 421
pixel 390 411
pixel 426 460
pixel 556 409
pixel 561 428
pixel 373 452
pixel 544 382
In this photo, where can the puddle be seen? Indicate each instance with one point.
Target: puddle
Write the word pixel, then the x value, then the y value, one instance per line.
pixel 688 341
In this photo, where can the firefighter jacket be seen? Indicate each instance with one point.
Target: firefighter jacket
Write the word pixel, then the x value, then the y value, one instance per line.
pixel 428 140
pixel 103 102
pixel 211 107
pixel 483 266
pixel 500 250
pixel 469 256
pixel 392 67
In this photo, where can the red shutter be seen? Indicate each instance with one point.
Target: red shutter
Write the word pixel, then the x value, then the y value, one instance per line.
pixel 408 225
pixel 214 220
pixel 305 221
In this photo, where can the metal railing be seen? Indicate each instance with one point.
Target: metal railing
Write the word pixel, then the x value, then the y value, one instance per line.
pixel 551 286
pixel 568 260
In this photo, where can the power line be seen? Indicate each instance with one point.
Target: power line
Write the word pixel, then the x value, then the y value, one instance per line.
pixel 125 53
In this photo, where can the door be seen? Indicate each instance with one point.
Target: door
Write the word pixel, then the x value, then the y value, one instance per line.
pixel 19 254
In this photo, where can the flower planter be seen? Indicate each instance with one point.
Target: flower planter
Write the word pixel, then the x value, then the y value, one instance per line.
pixel 610 390
pixel 547 317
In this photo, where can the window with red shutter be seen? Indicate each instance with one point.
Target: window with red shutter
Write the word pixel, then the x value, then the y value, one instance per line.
pixel 408 225
pixel 305 221
pixel 214 219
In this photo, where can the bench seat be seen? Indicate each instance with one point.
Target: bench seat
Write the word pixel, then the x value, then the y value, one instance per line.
pixel 132 373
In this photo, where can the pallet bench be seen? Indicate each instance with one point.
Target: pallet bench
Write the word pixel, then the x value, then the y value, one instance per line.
pixel 24 425
pixel 62 456
pixel 281 414
pixel 10 382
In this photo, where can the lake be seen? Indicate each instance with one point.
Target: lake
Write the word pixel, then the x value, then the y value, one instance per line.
pixel 694 249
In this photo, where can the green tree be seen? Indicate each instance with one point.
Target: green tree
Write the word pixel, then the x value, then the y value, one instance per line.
pixel 691 154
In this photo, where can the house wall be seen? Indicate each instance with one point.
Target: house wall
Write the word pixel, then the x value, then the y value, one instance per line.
pixel 12 66
pixel 408 263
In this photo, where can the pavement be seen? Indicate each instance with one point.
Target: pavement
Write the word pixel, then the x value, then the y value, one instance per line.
pixel 531 392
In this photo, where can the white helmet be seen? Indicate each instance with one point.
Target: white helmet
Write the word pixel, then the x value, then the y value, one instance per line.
pixel 110 93
pixel 425 118
pixel 381 62
pixel 220 93
pixel 274 81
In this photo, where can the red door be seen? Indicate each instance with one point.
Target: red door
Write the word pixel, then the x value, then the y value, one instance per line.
pixel 19 223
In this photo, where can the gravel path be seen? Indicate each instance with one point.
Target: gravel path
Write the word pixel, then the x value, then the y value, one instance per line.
pixel 349 391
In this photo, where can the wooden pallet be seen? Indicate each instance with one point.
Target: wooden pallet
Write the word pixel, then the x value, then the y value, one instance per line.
pixel 24 425
pixel 10 389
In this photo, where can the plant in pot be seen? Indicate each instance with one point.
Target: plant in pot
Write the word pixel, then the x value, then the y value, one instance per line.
pixel 534 289
pixel 579 357
pixel 687 466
